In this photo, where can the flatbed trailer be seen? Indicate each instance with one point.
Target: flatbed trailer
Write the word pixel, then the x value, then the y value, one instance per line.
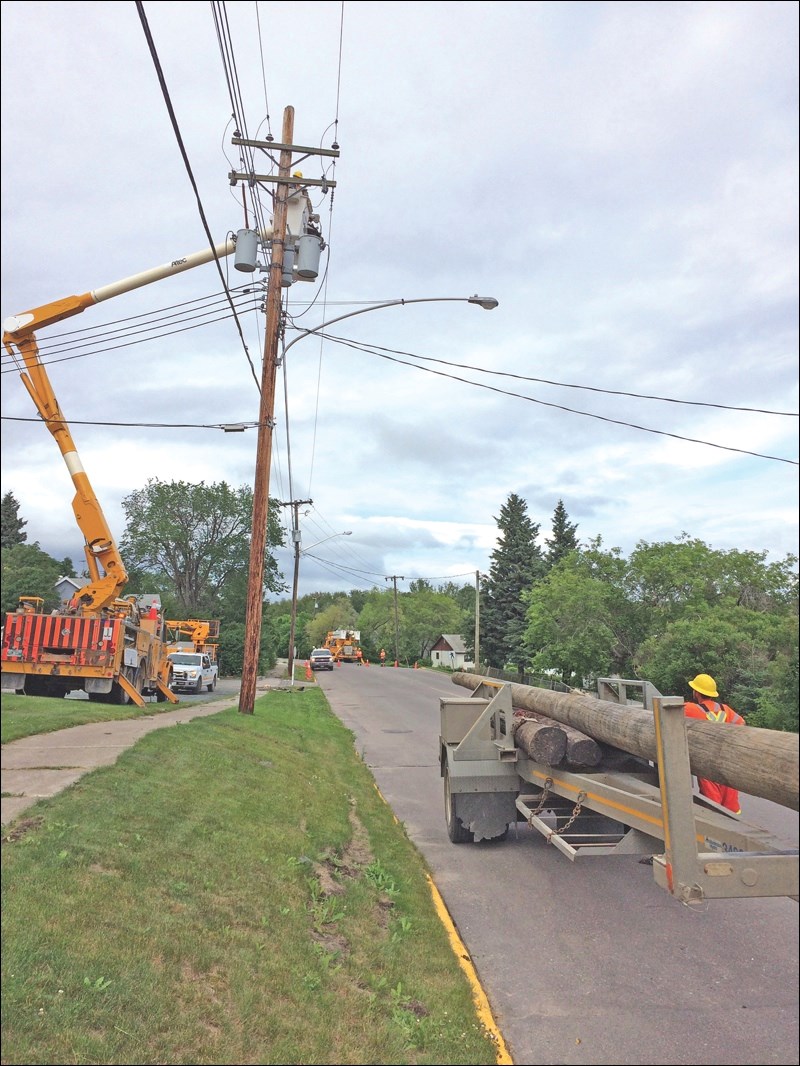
pixel 699 850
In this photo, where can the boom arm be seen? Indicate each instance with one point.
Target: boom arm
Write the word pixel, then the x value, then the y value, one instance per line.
pixel 106 569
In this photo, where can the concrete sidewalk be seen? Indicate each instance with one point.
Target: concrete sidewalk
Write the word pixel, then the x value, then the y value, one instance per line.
pixel 37 767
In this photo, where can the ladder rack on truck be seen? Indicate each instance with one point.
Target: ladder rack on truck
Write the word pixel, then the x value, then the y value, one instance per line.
pixel 698 850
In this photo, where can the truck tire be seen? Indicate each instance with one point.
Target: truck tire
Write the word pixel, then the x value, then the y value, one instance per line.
pixel 455 829
pixel 199 686
pixel 213 684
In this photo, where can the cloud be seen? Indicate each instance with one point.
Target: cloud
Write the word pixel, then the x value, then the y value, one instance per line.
pixel 622 178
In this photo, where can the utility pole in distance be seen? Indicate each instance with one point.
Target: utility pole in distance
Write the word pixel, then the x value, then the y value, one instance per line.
pixel 477 654
pixel 395 578
pixel 295 505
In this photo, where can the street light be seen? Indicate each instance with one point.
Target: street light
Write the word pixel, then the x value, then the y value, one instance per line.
pixel 297 553
pixel 345 533
pixel 488 303
pixel 252 638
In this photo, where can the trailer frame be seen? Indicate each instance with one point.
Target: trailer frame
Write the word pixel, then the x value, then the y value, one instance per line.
pixel 699 850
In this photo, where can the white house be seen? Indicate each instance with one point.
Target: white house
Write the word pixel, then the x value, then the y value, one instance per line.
pixel 66 587
pixel 451 651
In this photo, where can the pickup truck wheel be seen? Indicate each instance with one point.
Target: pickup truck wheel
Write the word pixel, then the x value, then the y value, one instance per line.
pixel 455 829
pixel 199 686
pixel 213 685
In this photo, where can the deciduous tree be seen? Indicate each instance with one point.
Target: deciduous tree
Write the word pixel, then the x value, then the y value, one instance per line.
pixel 196 538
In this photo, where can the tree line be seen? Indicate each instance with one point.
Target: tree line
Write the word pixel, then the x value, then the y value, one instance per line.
pixel 561 608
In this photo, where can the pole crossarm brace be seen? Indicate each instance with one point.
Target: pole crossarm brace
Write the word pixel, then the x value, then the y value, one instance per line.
pixel 235 177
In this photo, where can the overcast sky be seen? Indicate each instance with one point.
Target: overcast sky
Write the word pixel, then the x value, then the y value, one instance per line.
pixel 621 177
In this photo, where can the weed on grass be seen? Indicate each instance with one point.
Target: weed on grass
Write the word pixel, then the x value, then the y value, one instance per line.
pixel 232 890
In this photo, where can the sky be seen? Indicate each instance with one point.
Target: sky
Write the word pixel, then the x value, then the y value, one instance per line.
pixel 621 177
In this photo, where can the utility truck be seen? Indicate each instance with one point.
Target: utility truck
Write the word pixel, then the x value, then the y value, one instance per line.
pixel 613 776
pixel 110 645
pixel 344 645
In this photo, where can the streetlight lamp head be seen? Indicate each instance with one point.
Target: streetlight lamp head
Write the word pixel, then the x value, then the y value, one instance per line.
pixel 488 303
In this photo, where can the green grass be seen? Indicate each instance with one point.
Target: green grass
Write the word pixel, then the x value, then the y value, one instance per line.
pixel 232 890
pixel 27 716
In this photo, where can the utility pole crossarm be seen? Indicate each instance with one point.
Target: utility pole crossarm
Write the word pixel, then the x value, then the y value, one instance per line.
pixel 274 146
pixel 237 176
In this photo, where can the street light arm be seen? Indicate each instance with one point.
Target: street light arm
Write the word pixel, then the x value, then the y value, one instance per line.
pixel 316 544
pixel 488 303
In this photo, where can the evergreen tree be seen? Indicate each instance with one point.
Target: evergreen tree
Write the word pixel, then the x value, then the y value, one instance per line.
pixel 11 531
pixel 517 564
pixel 563 539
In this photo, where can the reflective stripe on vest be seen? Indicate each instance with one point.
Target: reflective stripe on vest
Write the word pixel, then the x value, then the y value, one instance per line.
pixel 715 714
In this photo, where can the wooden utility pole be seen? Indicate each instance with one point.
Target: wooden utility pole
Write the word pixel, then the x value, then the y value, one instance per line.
pixel 295 505
pixel 477 654
pixel 395 578
pixel 287 186
pixel 258 534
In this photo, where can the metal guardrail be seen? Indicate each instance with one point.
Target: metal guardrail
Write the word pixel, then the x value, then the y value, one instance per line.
pixel 516 678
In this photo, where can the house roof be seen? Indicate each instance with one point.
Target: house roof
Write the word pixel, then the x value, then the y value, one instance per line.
pixel 75 584
pixel 455 642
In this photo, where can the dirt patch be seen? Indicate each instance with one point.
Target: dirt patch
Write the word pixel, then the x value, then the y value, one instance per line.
pixel 27 825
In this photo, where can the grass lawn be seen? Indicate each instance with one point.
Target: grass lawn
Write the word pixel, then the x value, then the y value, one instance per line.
pixel 232 890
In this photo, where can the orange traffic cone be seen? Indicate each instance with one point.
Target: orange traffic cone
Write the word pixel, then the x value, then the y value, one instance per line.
pixel 309 675
pixel 416 666
pixel 338 662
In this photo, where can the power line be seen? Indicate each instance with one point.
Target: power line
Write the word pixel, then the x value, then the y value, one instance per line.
pixel 185 157
pixel 569 410
pixel 377 349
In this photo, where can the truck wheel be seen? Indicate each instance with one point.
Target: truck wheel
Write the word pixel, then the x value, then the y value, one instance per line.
pixel 455 829
pixel 213 684
pixel 199 686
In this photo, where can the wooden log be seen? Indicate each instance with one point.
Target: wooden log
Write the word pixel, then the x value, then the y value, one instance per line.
pixel 546 742
pixel 580 750
pixel 758 762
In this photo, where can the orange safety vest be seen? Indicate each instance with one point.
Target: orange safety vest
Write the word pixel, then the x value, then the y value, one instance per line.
pixel 713 712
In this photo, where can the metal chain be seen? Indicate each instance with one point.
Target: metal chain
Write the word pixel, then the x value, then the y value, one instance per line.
pixel 576 810
pixel 545 792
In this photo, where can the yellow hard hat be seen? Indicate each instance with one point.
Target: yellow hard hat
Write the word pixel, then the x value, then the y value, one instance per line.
pixel 705 685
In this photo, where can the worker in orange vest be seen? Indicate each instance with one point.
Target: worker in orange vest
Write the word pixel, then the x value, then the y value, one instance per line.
pixel 359 655
pixel 383 657
pixel 707 708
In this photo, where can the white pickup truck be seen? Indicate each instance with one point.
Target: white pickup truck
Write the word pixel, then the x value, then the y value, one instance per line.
pixel 192 672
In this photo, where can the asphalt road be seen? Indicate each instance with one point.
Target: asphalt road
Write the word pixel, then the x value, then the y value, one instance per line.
pixel 585 962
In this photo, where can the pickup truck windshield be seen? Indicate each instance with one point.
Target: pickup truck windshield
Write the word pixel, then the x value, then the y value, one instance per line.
pixel 184 659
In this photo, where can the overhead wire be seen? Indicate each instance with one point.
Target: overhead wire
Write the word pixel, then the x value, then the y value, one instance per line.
pixel 187 164
pixel 184 321
pixel 561 407
pixel 377 349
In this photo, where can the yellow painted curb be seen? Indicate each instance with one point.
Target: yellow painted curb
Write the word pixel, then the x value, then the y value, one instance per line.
pixel 482 1008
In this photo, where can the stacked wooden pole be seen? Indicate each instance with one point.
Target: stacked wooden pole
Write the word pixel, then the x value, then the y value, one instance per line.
pixel 758 762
